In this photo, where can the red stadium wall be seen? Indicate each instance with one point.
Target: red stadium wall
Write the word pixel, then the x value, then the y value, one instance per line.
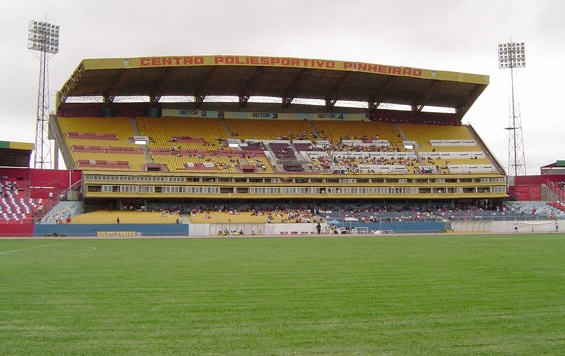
pixel 547 179
pixel 35 184
pixel 38 183
pixel 16 229
pixel 526 188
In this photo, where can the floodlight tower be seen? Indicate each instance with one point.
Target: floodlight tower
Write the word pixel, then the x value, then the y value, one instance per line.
pixel 513 55
pixel 43 38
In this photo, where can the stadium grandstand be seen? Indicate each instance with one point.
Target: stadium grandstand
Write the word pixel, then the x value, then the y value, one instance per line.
pixel 213 145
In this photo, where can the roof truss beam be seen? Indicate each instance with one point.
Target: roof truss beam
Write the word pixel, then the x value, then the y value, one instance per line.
pixel 462 109
pixel 109 98
pixel 243 99
pixel 376 99
pixel 163 85
pixel 247 88
pixel 335 93
pixel 70 85
pixel 297 83
pixel 202 92
pixel 428 92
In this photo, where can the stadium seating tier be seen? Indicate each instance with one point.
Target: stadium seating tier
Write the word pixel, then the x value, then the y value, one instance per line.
pixel 201 145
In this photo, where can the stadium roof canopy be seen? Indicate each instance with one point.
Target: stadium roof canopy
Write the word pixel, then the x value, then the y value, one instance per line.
pixel 15 154
pixel 281 77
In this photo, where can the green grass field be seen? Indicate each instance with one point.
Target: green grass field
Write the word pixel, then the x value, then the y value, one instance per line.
pixel 401 295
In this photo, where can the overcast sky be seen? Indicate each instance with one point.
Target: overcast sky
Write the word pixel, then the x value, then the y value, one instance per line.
pixel 450 35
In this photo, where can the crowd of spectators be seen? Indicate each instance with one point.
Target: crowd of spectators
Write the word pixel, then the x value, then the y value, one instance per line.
pixel 275 214
pixel 217 161
pixel 340 146
pixel 271 212
pixel 351 164
pixel 336 149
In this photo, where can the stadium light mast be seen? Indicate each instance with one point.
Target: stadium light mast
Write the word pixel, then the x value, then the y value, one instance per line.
pixel 43 39
pixel 513 55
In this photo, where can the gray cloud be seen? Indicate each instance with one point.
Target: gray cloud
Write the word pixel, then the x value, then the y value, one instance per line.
pixel 437 34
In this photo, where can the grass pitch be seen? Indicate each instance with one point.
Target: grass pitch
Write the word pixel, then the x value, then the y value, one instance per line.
pixel 401 295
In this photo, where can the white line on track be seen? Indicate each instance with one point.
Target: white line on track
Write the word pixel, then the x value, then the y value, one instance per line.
pixel 31 248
